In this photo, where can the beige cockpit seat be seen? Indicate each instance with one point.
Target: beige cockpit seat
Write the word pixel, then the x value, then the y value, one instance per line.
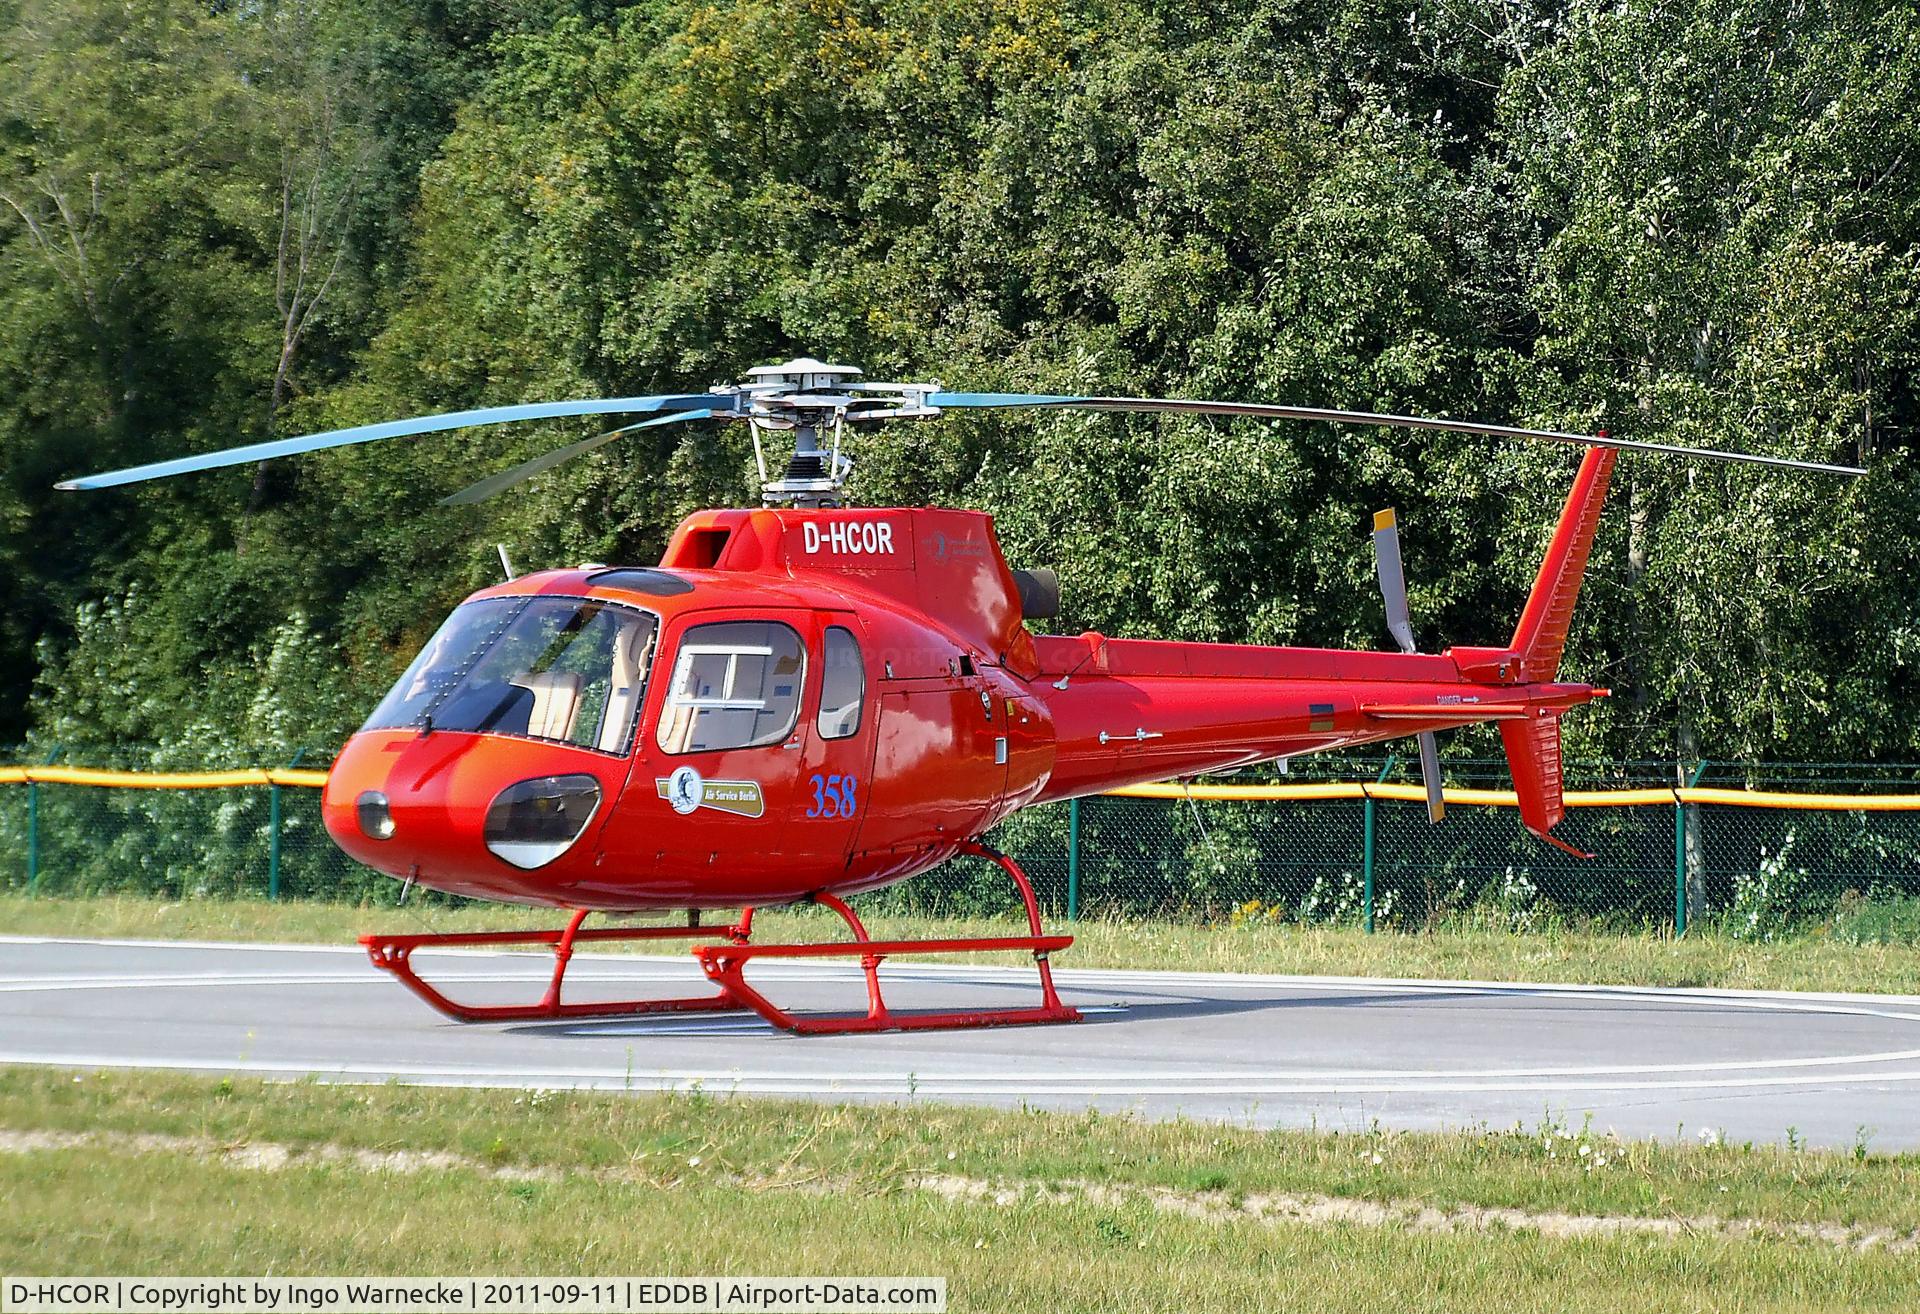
pixel 631 652
pixel 840 722
pixel 556 700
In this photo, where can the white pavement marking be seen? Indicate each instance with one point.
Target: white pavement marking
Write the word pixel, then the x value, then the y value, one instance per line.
pixel 899 1083
pixel 1212 980
pixel 692 1026
pixel 193 980
pixel 1772 1001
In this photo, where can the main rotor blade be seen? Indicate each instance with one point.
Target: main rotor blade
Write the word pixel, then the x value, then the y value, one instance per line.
pixel 1262 410
pixel 367 433
pixel 505 479
pixel 1393 582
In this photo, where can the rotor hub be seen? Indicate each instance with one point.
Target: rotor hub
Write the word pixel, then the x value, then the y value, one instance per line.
pixel 811 398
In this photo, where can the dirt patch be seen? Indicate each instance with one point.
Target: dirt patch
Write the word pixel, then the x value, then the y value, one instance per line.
pixel 1205 1206
pixel 266 1156
pixel 1407 1215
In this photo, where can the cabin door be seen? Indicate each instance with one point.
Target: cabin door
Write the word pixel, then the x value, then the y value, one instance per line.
pixel 838 726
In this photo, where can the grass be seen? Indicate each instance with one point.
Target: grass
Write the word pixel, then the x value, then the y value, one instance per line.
pixel 1885 920
pixel 579 1183
pixel 1813 962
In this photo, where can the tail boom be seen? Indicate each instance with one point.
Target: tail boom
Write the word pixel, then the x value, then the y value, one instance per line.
pixel 1128 711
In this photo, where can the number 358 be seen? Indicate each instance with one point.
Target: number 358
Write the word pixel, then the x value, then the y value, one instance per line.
pixel 833 796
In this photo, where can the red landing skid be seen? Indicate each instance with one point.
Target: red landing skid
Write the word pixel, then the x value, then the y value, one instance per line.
pixel 726 963
pixel 391 953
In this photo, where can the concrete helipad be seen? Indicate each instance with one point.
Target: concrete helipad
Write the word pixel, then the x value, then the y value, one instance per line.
pixel 1269 1050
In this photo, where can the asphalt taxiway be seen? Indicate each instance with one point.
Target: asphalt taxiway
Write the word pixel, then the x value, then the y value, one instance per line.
pixel 1336 1053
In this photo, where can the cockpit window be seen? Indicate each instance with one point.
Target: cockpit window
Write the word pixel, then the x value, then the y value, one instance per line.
pixel 735 685
pixel 570 670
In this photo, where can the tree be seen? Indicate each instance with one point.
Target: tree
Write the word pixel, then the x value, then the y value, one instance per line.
pixel 319 149
pixel 1690 221
pixel 123 271
pixel 1728 258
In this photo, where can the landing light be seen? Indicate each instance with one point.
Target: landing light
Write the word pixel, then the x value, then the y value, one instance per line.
pixel 376 820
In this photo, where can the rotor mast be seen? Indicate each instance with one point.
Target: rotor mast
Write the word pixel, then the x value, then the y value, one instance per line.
pixel 811 398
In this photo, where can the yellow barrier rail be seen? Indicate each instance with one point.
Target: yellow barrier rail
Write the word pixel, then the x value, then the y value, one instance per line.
pixel 64 775
pixel 1505 798
pixel 1323 791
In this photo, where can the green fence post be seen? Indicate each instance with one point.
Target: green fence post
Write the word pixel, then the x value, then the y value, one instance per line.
pixel 1073 859
pixel 33 828
pixel 1680 854
pixel 273 830
pixel 1366 857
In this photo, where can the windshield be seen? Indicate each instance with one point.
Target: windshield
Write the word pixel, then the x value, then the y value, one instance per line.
pixel 565 669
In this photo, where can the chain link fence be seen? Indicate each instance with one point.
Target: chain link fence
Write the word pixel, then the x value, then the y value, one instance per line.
pixel 1753 872
pixel 248 841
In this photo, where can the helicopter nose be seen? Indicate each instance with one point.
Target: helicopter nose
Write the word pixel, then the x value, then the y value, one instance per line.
pixel 390 806
pixel 360 803
pixel 469 813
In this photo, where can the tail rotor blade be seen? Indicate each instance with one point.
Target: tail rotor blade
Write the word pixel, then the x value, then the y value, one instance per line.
pixel 1393 588
pixel 1430 775
pixel 505 479
pixel 1393 582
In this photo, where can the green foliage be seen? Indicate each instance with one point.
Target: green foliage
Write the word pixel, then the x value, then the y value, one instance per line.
pixel 1767 900
pixel 1890 918
pixel 1730 260
pixel 1687 222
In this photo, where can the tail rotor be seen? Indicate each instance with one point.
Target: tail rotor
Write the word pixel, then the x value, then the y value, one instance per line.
pixel 1393 590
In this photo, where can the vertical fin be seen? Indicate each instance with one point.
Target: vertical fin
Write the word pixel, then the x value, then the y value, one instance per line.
pixel 1533 744
pixel 1533 757
pixel 1541 635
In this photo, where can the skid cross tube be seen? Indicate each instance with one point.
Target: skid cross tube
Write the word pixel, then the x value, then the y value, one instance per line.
pixel 725 965
pixel 392 953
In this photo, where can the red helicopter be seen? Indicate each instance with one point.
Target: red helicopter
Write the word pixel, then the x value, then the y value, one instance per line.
pixel 805 701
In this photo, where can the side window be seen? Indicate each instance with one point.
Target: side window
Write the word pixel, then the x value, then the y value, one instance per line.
pixel 735 685
pixel 843 686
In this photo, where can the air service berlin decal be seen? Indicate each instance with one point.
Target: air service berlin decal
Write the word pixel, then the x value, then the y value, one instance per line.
pixel 686 792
